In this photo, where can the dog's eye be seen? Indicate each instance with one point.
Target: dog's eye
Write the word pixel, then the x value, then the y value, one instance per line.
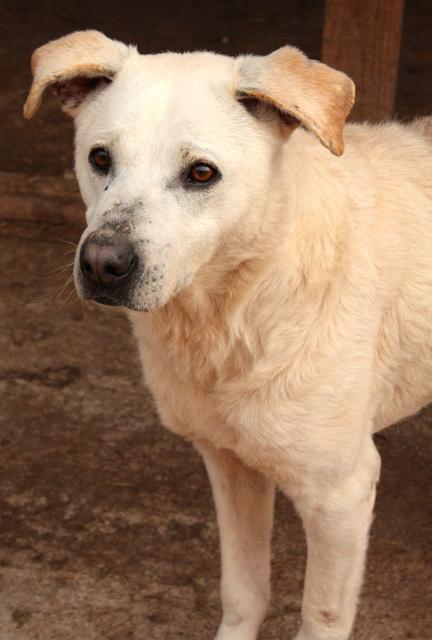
pixel 100 159
pixel 202 173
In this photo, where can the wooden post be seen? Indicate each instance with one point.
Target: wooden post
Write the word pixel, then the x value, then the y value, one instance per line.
pixel 362 38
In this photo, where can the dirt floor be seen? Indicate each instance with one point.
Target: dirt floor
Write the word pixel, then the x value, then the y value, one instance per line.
pixel 107 529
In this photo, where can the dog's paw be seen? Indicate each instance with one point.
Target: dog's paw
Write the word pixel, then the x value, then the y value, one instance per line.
pixel 326 634
pixel 239 632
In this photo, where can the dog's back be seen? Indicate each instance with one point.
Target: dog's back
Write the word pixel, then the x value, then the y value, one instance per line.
pixel 424 126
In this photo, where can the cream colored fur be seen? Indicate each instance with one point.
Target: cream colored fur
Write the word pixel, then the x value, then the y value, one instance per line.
pixel 301 324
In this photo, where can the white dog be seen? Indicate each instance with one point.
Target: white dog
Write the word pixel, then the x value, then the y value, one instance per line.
pixel 289 290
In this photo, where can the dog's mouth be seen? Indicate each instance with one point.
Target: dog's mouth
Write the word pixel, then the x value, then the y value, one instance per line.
pixel 119 298
pixel 107 300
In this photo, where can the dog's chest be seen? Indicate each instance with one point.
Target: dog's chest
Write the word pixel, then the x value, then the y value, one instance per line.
pixel 207 402
pixel 188 379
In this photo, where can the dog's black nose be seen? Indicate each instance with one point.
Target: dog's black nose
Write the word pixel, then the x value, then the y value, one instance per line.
pixel 107 262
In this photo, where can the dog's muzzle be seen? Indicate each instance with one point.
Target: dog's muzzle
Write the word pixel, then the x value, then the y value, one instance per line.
pixel 107 268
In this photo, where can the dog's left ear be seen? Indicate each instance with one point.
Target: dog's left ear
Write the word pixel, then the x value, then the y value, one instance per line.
pixel 315 95
pixel 73 66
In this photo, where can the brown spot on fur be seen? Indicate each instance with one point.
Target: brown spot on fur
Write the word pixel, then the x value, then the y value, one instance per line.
pixel 327 616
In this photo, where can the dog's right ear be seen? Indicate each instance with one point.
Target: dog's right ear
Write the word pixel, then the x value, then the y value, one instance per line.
pixel 73 66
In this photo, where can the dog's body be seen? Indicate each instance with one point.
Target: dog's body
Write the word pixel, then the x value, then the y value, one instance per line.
pixel 302 326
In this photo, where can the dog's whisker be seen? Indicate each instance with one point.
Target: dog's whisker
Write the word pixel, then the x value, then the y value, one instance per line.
pixel 72 244
pixel 64 287
pixel 66 300
pixel 57 271
pixel 72 294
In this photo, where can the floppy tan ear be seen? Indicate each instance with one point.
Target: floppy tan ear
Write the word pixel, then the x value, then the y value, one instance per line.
pixel 73 66
pixel 316 95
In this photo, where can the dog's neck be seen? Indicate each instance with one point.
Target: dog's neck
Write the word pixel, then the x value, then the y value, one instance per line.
pixel 216 292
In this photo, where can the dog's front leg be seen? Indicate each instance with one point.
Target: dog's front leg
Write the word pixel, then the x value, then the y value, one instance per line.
pixel 244 504
pixel 336 520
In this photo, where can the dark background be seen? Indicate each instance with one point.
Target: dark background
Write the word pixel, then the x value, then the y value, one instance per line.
pixel 107 530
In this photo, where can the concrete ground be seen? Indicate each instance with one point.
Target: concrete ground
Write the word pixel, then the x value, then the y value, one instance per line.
pixel 107 529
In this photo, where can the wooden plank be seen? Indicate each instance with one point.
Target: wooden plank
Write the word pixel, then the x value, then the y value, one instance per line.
pixel 362 38
pixel 52 199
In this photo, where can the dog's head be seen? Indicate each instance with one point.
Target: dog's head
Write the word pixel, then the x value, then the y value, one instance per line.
pixel 175 153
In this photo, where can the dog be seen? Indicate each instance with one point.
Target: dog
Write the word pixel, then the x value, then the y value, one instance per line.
pixel 279 288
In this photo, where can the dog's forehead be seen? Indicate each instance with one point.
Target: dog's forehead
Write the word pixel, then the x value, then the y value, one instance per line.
pixel 182 77
pixel 180 65
pixel 169 92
